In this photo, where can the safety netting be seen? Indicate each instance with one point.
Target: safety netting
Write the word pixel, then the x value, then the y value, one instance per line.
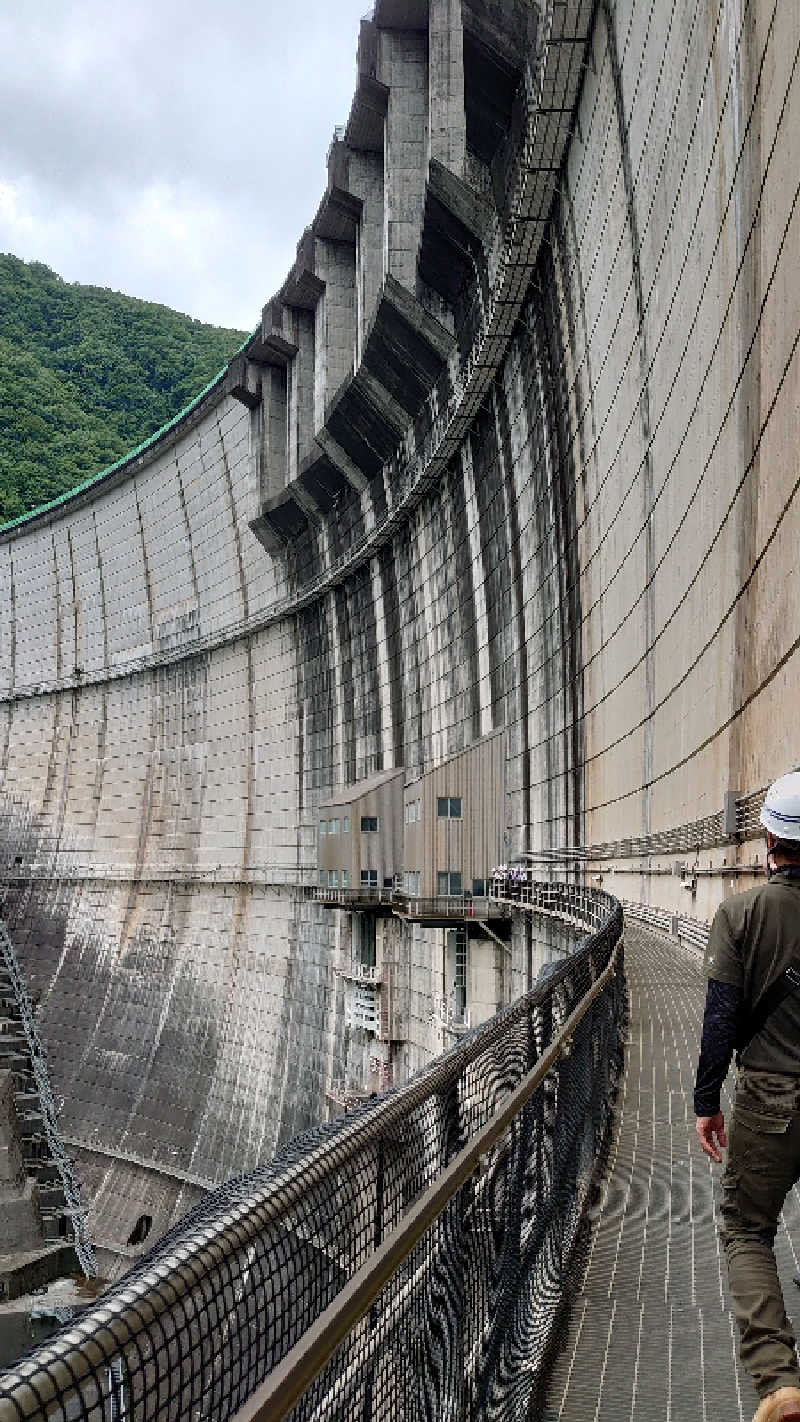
pixel 467 1323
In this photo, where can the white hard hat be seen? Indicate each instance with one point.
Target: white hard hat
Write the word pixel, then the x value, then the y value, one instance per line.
pixel 780 813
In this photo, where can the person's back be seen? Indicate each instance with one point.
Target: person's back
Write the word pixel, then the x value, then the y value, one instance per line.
pixel 753 1007
pixel 755 937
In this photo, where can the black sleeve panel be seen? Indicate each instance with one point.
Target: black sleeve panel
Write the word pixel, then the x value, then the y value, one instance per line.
pixel 717 1046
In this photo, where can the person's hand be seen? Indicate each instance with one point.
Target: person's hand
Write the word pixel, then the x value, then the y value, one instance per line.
pixel 711 1134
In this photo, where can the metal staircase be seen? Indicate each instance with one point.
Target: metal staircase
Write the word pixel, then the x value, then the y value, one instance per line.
pixel 46 1161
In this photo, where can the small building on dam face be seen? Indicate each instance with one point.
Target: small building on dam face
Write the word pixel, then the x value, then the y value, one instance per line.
pixel 439 834
pixel 361 835
pixel 484 545
pixel 419 853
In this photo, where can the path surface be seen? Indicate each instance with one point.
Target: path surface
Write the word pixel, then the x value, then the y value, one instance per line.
pixel 652 1336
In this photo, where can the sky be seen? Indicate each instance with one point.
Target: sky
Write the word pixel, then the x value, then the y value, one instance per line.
pixel 171 150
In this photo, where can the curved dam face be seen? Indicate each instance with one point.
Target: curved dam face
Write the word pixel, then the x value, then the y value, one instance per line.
pixel 484 545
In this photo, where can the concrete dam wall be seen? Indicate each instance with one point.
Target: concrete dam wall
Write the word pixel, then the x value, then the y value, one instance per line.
pixel 484 545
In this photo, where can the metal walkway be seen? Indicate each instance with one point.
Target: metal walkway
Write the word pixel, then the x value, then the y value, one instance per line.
pixel 651 1335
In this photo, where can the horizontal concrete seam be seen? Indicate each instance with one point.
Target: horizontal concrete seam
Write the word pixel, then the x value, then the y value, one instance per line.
pixel 155 1167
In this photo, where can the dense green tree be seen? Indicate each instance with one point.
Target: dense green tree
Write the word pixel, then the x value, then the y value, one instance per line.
pixel 85 375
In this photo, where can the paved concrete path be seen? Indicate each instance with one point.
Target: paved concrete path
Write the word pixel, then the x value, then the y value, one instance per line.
pixel 652 1336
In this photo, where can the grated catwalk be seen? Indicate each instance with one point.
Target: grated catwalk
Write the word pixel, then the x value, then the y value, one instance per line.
pixel 651 1334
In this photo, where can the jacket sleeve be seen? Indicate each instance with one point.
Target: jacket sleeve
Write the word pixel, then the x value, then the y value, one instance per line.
pixel 720 1023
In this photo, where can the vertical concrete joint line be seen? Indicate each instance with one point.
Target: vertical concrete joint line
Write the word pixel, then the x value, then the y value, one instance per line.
pixel 608 9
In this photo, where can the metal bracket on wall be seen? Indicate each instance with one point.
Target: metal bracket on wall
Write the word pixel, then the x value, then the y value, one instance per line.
pixel 729 812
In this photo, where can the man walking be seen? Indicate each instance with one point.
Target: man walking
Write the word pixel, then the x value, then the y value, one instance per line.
pixel 753 1008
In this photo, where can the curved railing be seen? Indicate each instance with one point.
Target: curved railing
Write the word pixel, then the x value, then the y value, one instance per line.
pixel 413 1259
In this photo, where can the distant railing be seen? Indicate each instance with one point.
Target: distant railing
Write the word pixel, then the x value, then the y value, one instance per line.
pixel 361 972
pixel 460 906
pixel 412 1259
pixel 579 904
pixel 417 906
pixel 354 897
pixel 691 932
pixel 73 868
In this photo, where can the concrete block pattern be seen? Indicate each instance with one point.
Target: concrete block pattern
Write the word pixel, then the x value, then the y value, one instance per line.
pixel 584 538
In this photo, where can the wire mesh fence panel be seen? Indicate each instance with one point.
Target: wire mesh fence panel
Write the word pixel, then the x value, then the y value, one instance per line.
pixel 466 1322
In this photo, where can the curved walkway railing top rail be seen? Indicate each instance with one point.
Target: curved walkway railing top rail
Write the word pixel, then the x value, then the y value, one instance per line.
pixel 469 1316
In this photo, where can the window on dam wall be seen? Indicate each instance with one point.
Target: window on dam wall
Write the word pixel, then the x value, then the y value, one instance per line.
pixel 449 883
pixel 448 807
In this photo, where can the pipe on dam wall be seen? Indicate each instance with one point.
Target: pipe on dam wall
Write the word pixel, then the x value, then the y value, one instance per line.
pixel 512 451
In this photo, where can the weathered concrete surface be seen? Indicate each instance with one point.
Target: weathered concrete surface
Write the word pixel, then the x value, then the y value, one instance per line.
pixel 599 563
pixel 20 1217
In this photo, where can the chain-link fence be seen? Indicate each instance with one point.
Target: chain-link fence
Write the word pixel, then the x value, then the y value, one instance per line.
pixel 467 1320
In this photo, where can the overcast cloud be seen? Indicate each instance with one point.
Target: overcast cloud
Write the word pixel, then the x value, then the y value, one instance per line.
pixel 171 150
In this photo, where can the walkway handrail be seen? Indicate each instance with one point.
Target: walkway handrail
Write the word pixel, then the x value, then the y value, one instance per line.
pixel 220 1302
pixel 287 1383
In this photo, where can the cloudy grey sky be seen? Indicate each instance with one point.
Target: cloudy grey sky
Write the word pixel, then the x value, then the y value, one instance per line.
pixel 171 149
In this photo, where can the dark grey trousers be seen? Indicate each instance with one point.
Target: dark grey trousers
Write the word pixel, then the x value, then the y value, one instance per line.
pixel 762 1166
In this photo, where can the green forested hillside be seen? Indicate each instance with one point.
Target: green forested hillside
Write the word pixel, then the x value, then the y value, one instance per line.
pixel 85 375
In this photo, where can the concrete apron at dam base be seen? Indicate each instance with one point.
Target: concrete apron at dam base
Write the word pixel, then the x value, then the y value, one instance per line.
pixel 652 1337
